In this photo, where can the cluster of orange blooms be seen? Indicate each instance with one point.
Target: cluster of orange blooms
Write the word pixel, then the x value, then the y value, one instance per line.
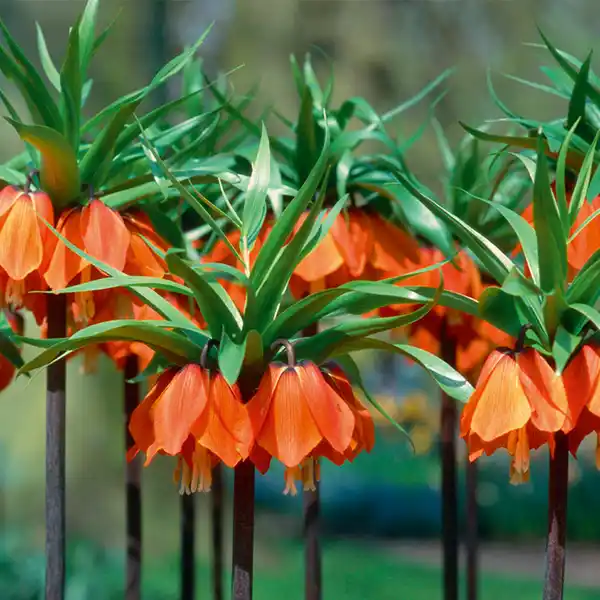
pixel 34 260
pixel 300 412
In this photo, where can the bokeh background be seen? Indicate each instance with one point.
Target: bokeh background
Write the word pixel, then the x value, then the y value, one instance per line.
pixel 382 514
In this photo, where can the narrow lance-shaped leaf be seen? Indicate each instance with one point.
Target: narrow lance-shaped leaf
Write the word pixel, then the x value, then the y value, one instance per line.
pixel 551 242
pixel 70 86
pixel 255 202
pixel 447 378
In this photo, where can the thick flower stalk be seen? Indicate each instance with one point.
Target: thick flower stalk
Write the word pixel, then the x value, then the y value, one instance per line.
pixel 301 414
pixel 518 404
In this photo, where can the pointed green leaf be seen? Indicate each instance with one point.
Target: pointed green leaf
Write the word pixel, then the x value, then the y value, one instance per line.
pixel 493 259
pixel 516 284
pixel 216 307
pixel 47 63
pixel 351 370
pixel 447 378
pixel 580 192
pixel 255 202
pixel 87 32
pixel 579 96
pixel 174 345
pixel 300 314
pixel 551 242
pixel 565 343
pixel 59 174
pixel 70 86
pixel 231 357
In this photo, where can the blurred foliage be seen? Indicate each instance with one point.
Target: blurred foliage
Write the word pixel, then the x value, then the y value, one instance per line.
pixel 95 574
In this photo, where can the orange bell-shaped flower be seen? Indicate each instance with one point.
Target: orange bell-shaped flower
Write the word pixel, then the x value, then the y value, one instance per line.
pixel 360 245
pixel 518 403
pixel 294 411
pixel 111 238
pixel 26 244
pixel 195 409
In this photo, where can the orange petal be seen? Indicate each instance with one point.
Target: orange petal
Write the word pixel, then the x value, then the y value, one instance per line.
pixel 178 408
pixel 354 241
pixel 45 210
pixel 467 414
pixel 8 196
pixel 322 261
pixel 261 459
pixel 544 389
pixel 364 430
pixel 393 248
pixel 104 234
pixel 259 405
pixel 289 432
pixel 586 424
pixel 141 260
pixel 581 379
pixel 331 414
pixel 227 431
pixel 140 424
pixel 21 249
pixel 65 265
pixel 502 406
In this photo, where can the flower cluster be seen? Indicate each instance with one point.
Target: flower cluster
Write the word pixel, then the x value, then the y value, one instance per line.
pixel 299 414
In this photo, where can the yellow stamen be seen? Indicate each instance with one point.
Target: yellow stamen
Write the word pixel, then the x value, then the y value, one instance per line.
pixel 518 448
pixel 291 475
pixel 308 472
pixel 202 470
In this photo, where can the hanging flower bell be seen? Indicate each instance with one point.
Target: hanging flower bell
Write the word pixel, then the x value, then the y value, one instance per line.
pixel 302 413
pixel 194 414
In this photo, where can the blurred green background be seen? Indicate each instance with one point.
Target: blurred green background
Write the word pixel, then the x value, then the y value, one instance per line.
pixel 381 515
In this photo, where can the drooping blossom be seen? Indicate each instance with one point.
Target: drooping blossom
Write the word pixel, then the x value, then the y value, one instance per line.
pixel 26 245
pixel 518 404
pixel 360 244
pixel 112 238
pixel 194 414
pixel 300 414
